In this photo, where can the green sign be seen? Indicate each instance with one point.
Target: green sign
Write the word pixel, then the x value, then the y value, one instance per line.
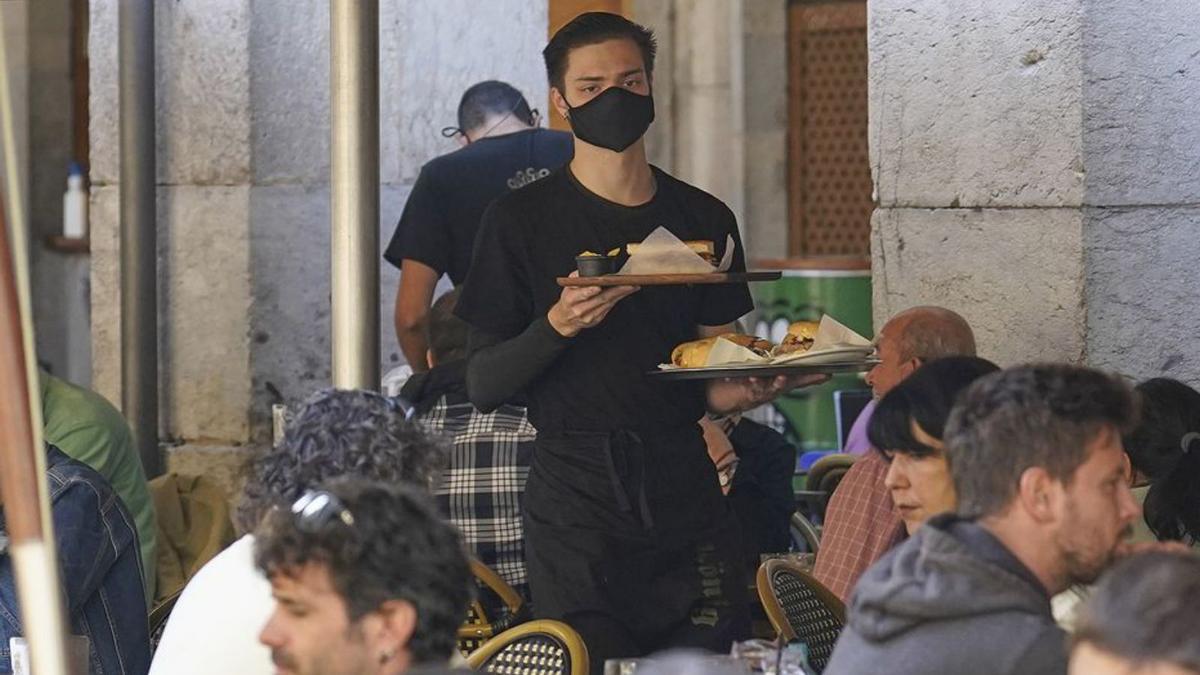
pixel 807 415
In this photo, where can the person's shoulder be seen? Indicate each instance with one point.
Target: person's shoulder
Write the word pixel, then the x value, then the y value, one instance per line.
pixel 70 407
pixel 533 198
pixel 66 474
pixel 690 193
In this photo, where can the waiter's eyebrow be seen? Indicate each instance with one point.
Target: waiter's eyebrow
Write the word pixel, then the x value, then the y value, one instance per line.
pixel 601 78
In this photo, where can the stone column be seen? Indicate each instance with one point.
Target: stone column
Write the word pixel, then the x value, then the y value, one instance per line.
pixel 1141 150
pixel 720 90
pixel 244 191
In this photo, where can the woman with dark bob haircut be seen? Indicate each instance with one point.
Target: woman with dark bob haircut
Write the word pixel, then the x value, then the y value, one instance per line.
pixel 1165 452
pixel 907 428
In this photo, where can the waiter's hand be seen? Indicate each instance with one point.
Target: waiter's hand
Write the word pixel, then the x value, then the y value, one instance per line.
pixel 581 307
pixel 732 395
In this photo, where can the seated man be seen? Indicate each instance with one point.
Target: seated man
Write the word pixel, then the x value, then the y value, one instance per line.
pixel 1043 502
pixel 861 523
pixel 89 429
pixel 482 488
pixel 1142 618
pixel 367 580
pixel 334 433
pixel 101 571
pixel 754 465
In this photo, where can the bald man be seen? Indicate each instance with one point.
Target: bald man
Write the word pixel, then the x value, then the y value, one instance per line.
pixel 861 523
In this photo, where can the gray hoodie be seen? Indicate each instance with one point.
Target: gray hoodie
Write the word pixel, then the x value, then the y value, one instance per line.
pixel 950 599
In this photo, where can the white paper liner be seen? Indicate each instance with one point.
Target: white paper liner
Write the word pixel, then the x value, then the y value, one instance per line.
pixel 832 338
pixel 833 343
pixel 724 353
pixel 664 253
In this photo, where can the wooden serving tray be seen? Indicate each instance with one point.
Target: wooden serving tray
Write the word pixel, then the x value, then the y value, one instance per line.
pixel 669 279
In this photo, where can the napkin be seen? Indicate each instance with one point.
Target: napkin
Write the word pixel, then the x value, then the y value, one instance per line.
pixel 831 334
pixel 664 253
pixel 724 353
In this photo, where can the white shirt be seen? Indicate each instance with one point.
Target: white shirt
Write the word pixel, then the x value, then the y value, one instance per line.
pixel 215 624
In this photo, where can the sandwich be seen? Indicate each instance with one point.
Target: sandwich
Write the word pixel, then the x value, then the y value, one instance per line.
pixel 694 354
pixel 799 338
pixel 702 248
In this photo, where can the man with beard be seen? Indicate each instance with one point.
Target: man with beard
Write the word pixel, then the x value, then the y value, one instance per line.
pixel 1043 503
pixel 367 580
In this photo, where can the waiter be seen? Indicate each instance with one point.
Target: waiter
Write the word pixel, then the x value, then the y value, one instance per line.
pixel 628 538
pixel 502 149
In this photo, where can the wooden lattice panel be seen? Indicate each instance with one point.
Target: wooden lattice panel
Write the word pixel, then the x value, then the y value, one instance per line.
pixel 829 176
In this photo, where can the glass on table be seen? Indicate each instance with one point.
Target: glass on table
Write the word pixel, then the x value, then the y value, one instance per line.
pixel 770 657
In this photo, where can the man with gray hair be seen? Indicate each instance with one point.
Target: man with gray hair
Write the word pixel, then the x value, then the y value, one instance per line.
pixel 1043 503
pixel 1142 618
pixel 861 523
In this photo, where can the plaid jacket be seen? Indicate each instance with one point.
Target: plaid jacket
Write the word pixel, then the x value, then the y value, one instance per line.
pixel 483 486
pixel 860 526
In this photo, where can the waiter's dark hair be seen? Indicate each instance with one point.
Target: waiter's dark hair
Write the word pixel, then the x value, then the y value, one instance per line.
pixel 491 98
pixel 592 28
pixel 447 334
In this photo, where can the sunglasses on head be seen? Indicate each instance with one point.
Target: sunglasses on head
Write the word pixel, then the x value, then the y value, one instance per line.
pixel 316 509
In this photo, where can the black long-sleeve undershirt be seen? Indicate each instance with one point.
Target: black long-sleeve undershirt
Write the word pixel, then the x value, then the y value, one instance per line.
pixel 500 369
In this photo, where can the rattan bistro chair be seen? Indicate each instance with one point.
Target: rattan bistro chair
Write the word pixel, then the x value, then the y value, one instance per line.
pixel 800 608
pixel 535 648
pixel 479 627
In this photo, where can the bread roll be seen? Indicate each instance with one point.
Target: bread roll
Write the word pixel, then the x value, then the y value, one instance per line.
pixel 799 337
pixel 694 354
pixel 703 248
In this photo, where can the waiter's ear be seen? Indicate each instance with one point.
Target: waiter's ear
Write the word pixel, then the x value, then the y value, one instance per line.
pixel 560 103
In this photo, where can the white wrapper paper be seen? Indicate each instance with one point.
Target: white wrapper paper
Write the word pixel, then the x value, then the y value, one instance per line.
pixel 664 253
pixel 724 352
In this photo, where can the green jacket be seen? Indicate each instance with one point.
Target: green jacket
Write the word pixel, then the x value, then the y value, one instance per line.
pixel 89 429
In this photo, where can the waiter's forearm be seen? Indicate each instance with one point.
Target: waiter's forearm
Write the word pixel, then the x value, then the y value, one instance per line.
pixel 499 370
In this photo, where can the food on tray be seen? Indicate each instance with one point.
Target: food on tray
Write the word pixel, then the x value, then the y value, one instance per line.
pixel 592 264
pixel 694 354
pixel 702 248
pixel 799 338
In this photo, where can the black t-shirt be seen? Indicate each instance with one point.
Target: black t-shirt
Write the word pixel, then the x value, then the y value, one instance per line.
pixel 598 383
pixel 452 191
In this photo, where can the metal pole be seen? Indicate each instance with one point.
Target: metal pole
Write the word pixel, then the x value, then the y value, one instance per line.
pixel 23 490
pixel 354 187
pixel 139 238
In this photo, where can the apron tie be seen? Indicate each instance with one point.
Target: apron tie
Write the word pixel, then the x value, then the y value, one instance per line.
pixel 627 448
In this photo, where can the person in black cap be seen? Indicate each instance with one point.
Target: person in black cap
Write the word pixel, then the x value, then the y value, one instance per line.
pixel 628 537
pixel 503 149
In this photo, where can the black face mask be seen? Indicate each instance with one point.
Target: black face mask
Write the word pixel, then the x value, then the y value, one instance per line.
pixel 614 120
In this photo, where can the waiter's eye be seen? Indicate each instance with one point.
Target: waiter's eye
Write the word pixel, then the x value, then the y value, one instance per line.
pixel 589 88
pixel 633 82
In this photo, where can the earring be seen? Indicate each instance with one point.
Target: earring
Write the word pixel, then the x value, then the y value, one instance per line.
pixel 387 655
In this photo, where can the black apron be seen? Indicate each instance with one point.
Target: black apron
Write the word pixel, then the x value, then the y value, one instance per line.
pixel 633 526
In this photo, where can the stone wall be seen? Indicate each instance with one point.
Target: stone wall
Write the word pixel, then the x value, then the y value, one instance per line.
pixel 243 128
pixel 1036 171
pixel 1141 148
